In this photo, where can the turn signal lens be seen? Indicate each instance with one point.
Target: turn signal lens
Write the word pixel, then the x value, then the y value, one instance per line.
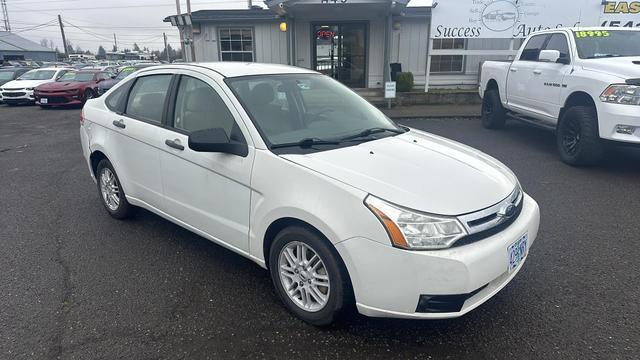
pixel 409 229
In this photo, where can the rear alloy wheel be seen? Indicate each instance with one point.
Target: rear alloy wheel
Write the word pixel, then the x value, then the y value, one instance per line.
pixel 577 137
pixel 111 192
pixel 309 276
pixel 493 114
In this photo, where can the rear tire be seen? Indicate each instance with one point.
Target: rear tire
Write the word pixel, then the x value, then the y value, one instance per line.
pixel 493 114
pixel 111 193
pixel 306 263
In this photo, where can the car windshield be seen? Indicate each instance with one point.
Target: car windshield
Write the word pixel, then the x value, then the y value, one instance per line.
pixel 6 74
pixel 38 75
pixel 77 76
pixel 596 44
pixel 124 73
pixel 295 108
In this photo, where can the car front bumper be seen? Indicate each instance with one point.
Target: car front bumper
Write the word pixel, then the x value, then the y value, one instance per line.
pixel 58 98
pixel 612 115
pixel 17 96
pixel 389 282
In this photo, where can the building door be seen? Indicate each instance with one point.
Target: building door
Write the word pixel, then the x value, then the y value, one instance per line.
pixel 340 52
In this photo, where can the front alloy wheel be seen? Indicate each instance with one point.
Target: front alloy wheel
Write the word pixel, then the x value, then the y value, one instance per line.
pixel 304 276
pixel 309 275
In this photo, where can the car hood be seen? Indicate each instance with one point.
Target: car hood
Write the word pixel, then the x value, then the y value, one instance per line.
pixel 66 85
pixel 623 67
pixel 21 84
pixel 417 170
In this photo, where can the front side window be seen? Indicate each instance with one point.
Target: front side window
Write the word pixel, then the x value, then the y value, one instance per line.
pixel 559 42
pixel 447 63
pixel 607 43
pixel 531 51
pixel 292 108
pixel 199 107
pixel 146 100
pixel 37 75
pixel 236 44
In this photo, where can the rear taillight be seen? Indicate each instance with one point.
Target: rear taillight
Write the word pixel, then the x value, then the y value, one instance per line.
pixel 82 117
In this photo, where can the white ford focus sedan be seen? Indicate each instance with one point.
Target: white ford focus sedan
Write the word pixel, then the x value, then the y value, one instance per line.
pixel 295 171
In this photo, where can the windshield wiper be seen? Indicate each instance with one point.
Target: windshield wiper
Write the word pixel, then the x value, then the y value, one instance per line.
pixel 371 131
pixel 306 143
pixel 603 56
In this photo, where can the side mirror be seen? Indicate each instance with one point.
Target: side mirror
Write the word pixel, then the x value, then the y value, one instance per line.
pixel 216 140
pixel 549 56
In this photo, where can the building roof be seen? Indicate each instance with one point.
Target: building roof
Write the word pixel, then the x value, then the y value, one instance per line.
pixel 234 68
pixel 230 15
pixel 12 42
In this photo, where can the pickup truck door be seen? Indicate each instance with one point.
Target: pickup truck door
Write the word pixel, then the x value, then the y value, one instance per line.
pixel 549 80
pixel 521 76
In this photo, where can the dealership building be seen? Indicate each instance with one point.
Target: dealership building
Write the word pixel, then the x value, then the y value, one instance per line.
pixel 15 47
pixel 359 42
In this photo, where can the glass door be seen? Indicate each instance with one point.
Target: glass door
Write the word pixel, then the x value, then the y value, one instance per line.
pixel 340 52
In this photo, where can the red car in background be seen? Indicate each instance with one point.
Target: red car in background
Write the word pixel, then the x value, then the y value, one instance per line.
pixel 73 88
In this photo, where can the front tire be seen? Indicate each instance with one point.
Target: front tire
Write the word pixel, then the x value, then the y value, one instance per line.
pixel 578 138
pixel 309 275
pixel 111 192
pixel 493 114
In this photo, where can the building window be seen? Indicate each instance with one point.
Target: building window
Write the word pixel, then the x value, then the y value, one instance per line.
pixel 236 44
pixel 448 63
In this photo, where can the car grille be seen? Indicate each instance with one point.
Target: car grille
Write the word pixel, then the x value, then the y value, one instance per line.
pixel 13 94
pixel 492 220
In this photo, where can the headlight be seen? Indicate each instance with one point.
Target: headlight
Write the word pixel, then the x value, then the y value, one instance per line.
pixel 622 94
pixel 412 230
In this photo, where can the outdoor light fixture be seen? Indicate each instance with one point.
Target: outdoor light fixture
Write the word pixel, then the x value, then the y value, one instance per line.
pixel 283 26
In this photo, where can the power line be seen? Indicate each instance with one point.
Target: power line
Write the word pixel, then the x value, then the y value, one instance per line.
pixel 123 6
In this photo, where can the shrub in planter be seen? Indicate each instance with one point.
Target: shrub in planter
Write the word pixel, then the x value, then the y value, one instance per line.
pixel 404 81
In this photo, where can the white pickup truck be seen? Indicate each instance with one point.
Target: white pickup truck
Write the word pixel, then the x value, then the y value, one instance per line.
pixel 584 83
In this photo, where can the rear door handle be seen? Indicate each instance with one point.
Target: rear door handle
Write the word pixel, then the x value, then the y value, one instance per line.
pixel 174 144
pixel 537 72
pixel 513 69
pixel 119 123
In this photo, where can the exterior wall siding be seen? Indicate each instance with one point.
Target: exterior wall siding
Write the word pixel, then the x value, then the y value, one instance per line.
pixel 31 55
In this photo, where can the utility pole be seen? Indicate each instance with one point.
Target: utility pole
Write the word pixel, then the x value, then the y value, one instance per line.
pixel 64 39
pixel 192 44
pixel 184 54
pixel 166 49
pixel 115 42
pixel 5 16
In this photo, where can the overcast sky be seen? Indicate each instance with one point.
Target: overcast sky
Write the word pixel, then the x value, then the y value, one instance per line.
pixel 90 23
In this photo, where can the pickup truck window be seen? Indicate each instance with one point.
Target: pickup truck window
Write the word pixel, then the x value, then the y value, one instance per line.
pixel 559 42
pixel 532 49
pixel 607 43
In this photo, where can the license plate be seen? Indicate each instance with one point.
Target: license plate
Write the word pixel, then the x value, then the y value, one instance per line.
pixel 44 101
pixel 517 251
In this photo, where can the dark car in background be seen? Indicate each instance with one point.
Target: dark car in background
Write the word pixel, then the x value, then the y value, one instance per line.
pixel 74 88
pixel 11 73
pixel 122 73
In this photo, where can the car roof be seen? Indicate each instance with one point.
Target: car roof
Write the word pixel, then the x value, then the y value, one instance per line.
pixel 235 69
pixel 53 68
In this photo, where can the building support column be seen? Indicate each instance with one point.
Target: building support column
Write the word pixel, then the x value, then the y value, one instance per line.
pixel 386 72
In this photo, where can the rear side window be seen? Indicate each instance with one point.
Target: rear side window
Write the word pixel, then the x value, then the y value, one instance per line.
pixel 532 49
pixel 559 42
pixel 116 100
pixel 146 100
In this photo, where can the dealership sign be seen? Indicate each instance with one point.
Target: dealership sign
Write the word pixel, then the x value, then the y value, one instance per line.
pixel 518 19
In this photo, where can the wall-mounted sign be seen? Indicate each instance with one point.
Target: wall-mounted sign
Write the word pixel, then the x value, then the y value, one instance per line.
pixel 518 19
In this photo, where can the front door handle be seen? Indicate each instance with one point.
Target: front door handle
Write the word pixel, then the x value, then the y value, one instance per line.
pixel 119 123
pixel 537 72
pixel 513 69
pixel 174 144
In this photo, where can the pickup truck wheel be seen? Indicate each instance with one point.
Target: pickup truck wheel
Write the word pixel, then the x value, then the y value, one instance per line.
pixel 577 137
pixel 308 275
pixel 493 114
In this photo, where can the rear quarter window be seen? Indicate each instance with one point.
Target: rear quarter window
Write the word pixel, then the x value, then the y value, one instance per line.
pixel 117 99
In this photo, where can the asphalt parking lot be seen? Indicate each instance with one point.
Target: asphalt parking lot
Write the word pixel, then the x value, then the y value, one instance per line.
pixel 76 284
